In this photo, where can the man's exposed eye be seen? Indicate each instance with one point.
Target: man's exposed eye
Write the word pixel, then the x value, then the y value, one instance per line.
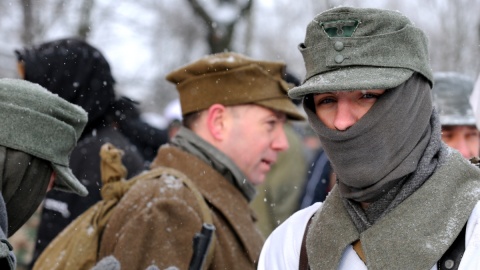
pixel 325 99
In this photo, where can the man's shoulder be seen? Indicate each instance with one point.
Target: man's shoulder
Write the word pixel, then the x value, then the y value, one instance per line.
pixel 282 248
pixel 161 188
pixel 160 180
pixel 456 165
pixel 294 226
pixel 185 162
pixel 101 135
pixel 169 151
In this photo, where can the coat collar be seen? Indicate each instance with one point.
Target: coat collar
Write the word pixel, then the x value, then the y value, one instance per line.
pixel 429 220
pixel 218 192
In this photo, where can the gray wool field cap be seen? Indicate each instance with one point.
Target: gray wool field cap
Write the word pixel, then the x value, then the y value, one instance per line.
pixel 451 93
pixel 43 125
pixel 349 48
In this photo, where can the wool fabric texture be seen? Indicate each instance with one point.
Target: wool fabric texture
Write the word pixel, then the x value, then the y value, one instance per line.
pixel 190 142
pixel 108 263
pixel 233 79
pixel 434 156
pixel 384 145
pixel 426 222
pixel 350 48
pixel 24 179
pixel 41 124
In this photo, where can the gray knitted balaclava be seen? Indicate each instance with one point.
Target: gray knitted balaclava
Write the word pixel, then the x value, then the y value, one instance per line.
pixel 347 49
pixel 385 145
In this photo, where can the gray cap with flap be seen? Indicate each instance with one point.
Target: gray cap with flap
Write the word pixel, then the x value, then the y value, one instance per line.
pixel 349 48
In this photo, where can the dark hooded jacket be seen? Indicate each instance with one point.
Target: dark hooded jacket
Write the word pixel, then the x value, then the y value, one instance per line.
pixel 80 74
pixel 145 137
pixel 74 70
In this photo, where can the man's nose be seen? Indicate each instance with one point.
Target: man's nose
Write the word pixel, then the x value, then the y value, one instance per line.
pixel 461 145
pixel 280 142
pixel 344 117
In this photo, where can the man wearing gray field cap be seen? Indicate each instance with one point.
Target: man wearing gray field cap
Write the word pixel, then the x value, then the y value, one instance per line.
pixel 450 96
pixel 403 199
pixel 38 132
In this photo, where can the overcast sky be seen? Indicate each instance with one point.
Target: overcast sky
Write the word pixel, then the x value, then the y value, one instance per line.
pixel 142 43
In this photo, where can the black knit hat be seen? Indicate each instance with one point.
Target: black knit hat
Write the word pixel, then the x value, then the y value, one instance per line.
pixel 74 70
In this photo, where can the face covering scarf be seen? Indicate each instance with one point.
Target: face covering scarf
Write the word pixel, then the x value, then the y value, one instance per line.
pixel 384 146
pixel 434 155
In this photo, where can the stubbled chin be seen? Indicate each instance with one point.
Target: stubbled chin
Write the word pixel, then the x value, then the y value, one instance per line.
pixel 259 180
pixel 260 173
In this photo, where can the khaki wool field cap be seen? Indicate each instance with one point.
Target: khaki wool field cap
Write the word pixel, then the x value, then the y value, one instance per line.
pixel 233 79
pixel 43 125
pixel 349 48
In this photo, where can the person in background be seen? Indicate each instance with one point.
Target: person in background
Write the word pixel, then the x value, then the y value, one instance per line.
pixel 39 131
pixel 144 136
pixel 173 115
pixel 277 197
pixel 320 177
pixel 80 74
pixel 451 92
pixel 319 182
pixel 403 199
pixel 233 109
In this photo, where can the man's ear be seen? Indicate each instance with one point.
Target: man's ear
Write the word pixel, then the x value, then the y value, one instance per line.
pixel 21 69
pixel 217 116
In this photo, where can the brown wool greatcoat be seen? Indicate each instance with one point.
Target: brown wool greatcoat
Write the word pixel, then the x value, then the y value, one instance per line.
pixel 156 220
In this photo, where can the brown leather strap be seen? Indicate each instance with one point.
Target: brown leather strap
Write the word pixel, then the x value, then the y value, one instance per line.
pixel 303 265
pixel 357 246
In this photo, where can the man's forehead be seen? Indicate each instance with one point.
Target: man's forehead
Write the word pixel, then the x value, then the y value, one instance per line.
pixel 453 127
pixel 281 116
pixel 278 114
pixel 271 112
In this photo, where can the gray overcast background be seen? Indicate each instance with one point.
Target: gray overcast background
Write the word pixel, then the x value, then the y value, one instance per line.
pixel 145 39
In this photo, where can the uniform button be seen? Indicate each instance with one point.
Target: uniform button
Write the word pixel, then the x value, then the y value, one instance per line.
pixel 449 264
pixel 338 46
pixel 339 58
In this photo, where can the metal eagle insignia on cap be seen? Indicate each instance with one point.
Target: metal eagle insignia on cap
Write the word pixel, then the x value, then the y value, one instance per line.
pixel 340 28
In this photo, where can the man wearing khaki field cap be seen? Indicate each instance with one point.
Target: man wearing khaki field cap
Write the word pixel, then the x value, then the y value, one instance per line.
pixel 233 108
pixel 38 133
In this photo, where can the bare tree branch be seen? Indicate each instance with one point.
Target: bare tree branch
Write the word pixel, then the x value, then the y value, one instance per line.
pixel 27 33
pixel 220 33
pixel 201 12
pixel 85 23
